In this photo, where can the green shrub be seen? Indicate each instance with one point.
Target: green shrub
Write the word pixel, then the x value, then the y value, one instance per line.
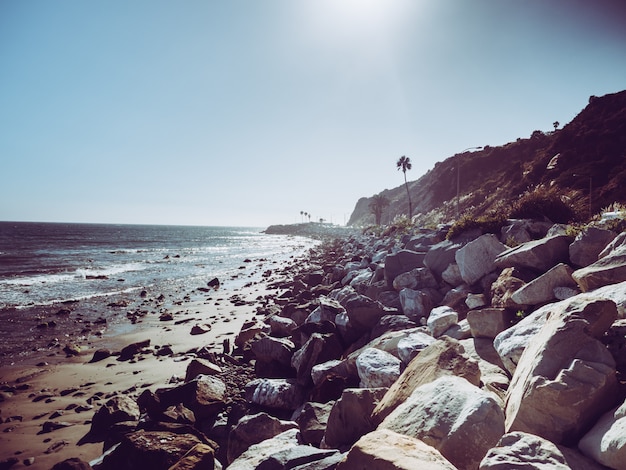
pixel 543 204
pixel 491 223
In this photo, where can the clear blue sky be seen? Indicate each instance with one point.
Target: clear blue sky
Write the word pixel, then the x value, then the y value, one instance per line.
pixel 246 112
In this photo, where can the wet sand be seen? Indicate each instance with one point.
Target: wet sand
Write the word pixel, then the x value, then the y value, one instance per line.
pixel 46 409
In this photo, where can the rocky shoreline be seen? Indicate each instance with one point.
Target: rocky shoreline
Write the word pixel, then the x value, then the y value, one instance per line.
pixel 402 351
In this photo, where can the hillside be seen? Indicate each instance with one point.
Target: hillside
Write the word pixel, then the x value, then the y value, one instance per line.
pixel 589 153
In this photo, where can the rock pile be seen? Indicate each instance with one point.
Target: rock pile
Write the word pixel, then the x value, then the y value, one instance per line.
pixel 418 352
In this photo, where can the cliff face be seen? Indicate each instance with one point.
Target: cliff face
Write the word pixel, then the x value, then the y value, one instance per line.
pixel 587 154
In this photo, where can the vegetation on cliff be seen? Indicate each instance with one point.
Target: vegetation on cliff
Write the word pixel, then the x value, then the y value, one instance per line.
pixel 583 164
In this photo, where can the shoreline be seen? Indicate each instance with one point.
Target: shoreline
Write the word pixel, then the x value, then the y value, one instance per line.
pixel 49 397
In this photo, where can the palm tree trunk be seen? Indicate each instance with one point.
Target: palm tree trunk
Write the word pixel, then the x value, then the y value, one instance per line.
pixel 408 194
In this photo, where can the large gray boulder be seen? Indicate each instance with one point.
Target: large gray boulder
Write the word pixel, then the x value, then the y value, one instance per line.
pixel 312 420
pixel 444 357
pixel 418 278
pixel 283 394
pixel 256 454
pixel 541 290
pixel 205 396
pixel 511 343
pixel 318 349
pixel 411 345
pixel 252 429
pixel 416 304
pixel 455 417
pixel 440 256
pixel 440 319
pixel 384 449
pixel 377 368
pixel 488 322
pixel 270 349
pixel 477 258
pixel 606 441
pixel 565 377
pixel 610 269
pixel 402 262
pixel 539 255
pixel 524 451
pixel 509 281
pixel 350 418
pixel 116 410
pixel 588 244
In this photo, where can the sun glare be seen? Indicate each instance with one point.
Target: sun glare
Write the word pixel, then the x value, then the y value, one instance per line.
pixel 349 21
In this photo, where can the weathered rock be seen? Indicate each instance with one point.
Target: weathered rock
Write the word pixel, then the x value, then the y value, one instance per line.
pixel 270 349
pixel 362 281
pixel 418 278
pixel 452 275
pixel 402 262
pixel 412 344
pixel 199 457
pixel 493 375
pixel 455 298
pixel 440 319
pixel 610 269
pixel 301 455
pixel 200 329
pixel 440 256
pixel 477 258
pixel 384 449
pixel 248 330
pixel 100 355
pixel 459 331
pixel 541 290
pixel 157 450
pixel 508 282
pixel 318 349
pixel 350 418
pixel 474 301
pixel 327 310
pixel 539 255
pixel 115 410
pixel 588 244
pixel 205 396
pixel 312 421
pixel 252 429
pixel 128 352
pixel 363 312
pixel 70 464
pixel 415 304
pixel 327 463
pixel 392 323
pixel 444 357
pixel 488 322
pixel 455 417
pixel 606 441
pixel 511 343
pixel 281 326
pixel 562 293
pixel 520 450
pixel 323 370
pixel 199 366
pixel 565 377
pixel 257 453
pixel 377 368
pixel 283 394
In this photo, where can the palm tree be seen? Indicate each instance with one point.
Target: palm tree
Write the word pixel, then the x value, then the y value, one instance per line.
pixel 404 164
pixel 377 206
pixel 302 216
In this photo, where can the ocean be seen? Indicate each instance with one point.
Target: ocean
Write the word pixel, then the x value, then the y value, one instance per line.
pixel 46 268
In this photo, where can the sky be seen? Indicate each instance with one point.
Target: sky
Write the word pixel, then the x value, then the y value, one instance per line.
pixel 249 112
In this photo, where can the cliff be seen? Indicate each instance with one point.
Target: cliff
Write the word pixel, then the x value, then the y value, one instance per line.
pixel 587 156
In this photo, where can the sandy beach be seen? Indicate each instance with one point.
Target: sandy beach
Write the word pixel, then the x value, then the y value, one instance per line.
pixel 46 409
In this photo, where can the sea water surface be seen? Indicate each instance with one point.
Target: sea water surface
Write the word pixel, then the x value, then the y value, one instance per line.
pixel 43 265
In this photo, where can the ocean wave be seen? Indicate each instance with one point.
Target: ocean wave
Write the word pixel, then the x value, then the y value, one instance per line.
pixel 110 270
